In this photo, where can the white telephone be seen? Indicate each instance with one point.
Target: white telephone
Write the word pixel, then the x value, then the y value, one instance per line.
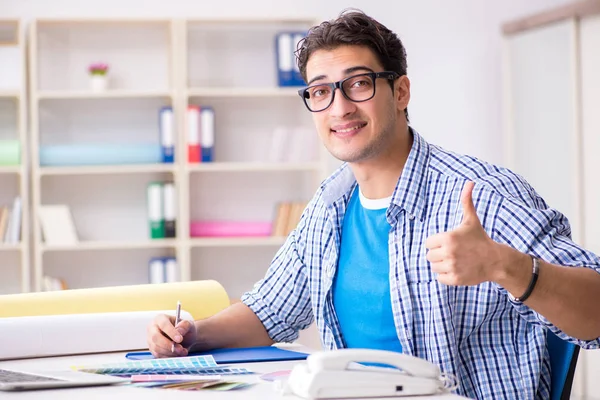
pixel 336 374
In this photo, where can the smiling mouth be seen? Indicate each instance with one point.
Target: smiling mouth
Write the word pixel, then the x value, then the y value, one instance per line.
pixel 351 129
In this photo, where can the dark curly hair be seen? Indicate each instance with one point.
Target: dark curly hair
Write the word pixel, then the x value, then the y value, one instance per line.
pixel 354 27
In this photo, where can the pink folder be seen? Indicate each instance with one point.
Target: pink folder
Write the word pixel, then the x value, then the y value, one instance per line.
pixel 230 228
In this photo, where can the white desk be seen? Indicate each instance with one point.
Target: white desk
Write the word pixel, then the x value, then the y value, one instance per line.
pixel 262 390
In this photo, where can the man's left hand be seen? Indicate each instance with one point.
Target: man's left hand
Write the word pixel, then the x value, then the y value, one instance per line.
pixel 465 255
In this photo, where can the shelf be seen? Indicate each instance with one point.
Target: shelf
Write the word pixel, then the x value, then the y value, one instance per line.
pixel 237 241
pixel 102 21
pixel 10 247
pixel 109 94
pixel 107 169
pixel 243 92
pixel 251 167
pixel 108 245
pixel 10 169
pixel 9 94
pixel 257 21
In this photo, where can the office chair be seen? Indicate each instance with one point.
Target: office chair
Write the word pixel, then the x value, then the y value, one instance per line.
pixel 563 359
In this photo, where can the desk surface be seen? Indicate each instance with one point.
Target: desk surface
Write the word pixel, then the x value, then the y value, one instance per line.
pixel 262 390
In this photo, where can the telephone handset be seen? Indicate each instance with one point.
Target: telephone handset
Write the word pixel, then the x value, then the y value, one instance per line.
pixel 340 374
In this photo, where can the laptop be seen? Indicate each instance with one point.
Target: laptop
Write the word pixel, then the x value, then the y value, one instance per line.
pixel 14 380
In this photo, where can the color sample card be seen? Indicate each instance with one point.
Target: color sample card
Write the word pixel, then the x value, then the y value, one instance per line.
pixel 158 365
pixel 196 365
pixel 171 378
pixel 224 386
pixel 218 384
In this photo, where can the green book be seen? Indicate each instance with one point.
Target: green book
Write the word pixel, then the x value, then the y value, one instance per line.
pixel 10 152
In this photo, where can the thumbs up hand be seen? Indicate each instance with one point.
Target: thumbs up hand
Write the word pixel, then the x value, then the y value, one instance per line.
pixel 465 255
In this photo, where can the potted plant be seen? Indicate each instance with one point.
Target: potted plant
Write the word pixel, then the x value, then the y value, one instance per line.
pixel 98 76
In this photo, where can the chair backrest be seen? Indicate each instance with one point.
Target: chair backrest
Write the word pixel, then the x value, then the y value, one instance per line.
pixel 563 359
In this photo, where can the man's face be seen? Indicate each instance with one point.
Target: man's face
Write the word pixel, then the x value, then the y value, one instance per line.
pixel 352 131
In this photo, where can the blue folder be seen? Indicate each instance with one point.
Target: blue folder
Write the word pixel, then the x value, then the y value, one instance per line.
pixel 237 355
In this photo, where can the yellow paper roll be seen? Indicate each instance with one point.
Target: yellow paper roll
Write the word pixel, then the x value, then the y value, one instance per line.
pixel 200 298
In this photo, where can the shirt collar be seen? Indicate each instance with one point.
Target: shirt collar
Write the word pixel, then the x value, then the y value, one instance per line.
pixel 410 192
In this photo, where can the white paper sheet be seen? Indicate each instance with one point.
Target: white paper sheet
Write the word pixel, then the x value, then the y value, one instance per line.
pixel 39 336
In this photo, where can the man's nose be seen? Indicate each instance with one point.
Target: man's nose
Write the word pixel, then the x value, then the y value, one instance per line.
pixel 341 106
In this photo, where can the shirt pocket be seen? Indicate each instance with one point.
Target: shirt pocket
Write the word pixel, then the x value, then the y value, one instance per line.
pixel 433 318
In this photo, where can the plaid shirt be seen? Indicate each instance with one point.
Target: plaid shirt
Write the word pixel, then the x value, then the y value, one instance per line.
pixel 495 346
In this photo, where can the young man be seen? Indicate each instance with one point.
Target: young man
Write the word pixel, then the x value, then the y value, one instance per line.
pixel 409 247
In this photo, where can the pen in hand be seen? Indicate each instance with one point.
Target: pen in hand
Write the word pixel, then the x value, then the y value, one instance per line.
pixel 177 319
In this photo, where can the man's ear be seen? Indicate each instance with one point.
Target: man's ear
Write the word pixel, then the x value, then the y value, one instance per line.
pixel 402 92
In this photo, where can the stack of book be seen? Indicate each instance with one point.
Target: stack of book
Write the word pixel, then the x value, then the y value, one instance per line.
pixel 51 284
pixel 163 270
pixel 10 223
pixel 230 228
pixel 200 133
pixel 162 210
pixel 287 217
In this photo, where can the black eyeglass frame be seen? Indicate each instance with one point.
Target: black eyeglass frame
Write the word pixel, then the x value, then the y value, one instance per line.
pixel 389 75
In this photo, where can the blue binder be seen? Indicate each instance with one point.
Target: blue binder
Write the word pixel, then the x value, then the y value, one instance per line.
pixel 237 355
pixel 287 68
pixel 166 126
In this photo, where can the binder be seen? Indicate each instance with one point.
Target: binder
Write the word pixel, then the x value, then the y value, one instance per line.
pixel 286 59
pixel 171 270
pixel 13 233
pixel 170 209
pixel 167 134
pixel 156 270
pixel 3 221
pixel 237 355
pixel 207 133
pixel 193 134
pixel 155 210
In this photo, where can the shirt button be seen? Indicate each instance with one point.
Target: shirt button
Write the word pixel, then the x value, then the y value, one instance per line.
pixel 411 217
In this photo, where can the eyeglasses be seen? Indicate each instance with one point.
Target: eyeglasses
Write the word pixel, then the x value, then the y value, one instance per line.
pixel 356 88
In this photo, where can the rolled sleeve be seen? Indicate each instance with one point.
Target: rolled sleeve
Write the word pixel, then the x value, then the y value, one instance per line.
pixel 281 300
pixel 545 233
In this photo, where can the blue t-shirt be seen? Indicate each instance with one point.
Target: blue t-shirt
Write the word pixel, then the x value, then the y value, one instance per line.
pixel 361 289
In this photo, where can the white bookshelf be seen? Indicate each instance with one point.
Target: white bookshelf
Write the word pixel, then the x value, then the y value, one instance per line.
pixel 191 62
pixel 107 201
pixel 15 268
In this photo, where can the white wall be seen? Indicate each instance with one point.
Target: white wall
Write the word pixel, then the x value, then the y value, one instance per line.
pixel 454 51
